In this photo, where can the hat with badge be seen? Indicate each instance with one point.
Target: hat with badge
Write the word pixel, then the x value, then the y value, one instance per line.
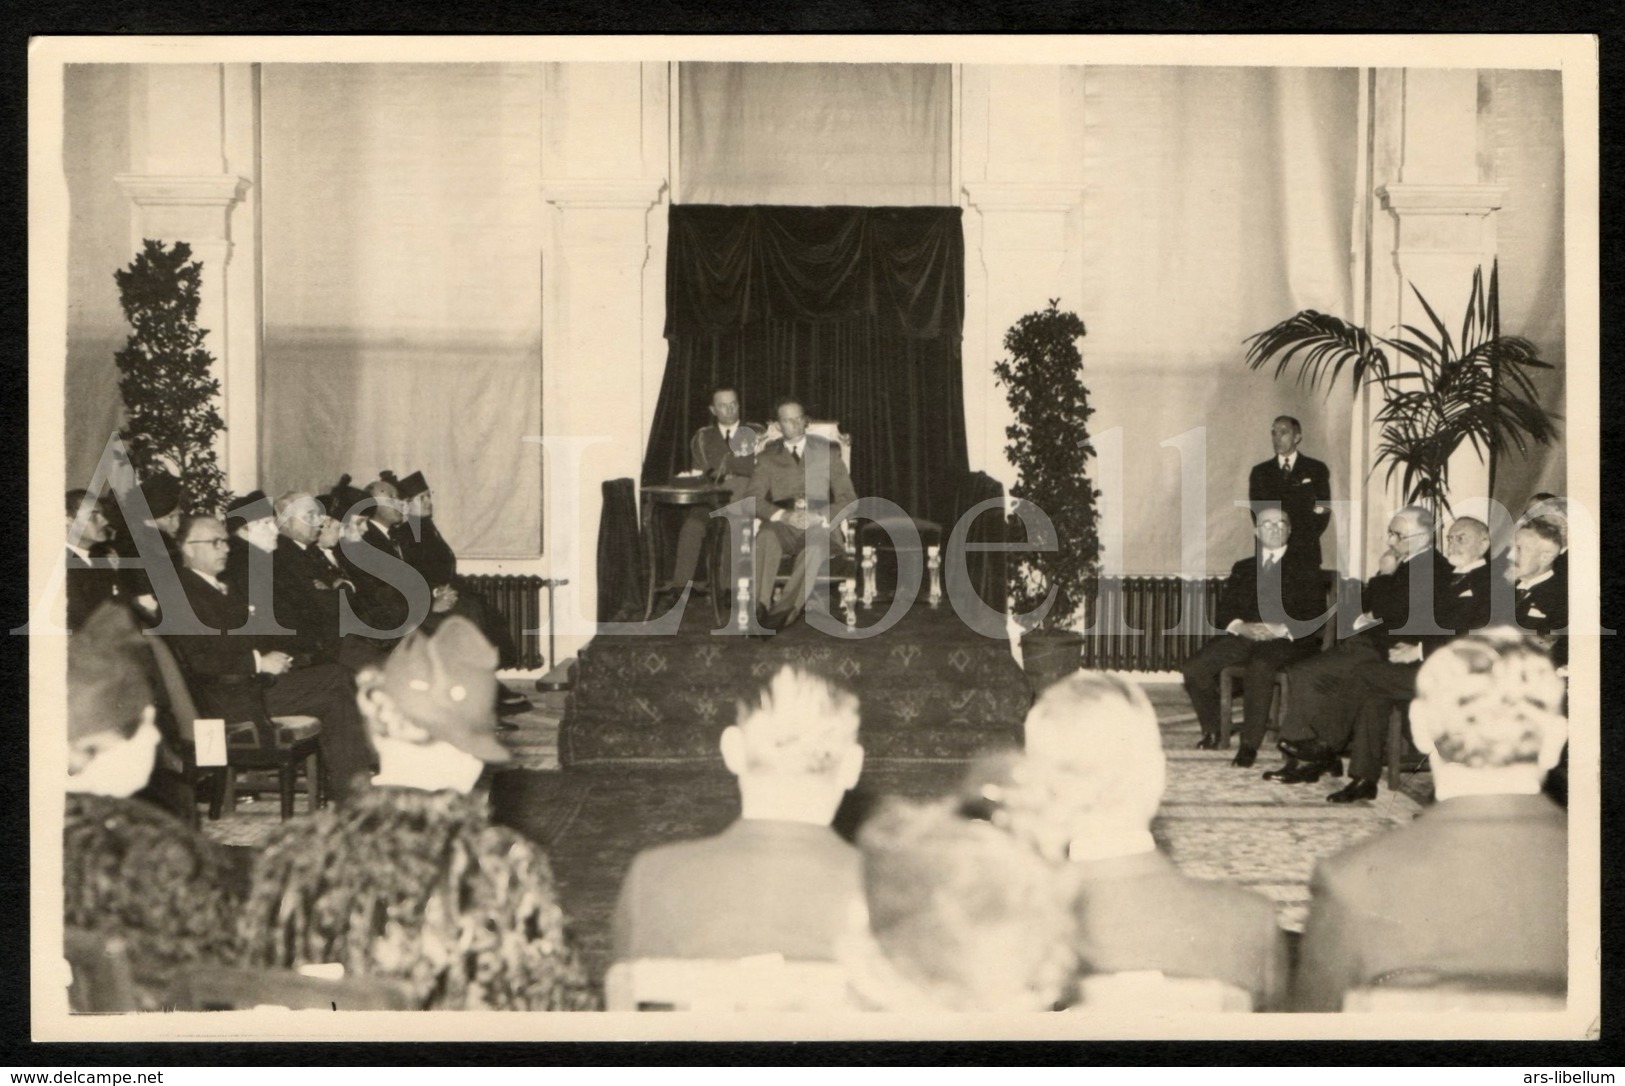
pixel 250 507
pixel 446 683
pixel 162 493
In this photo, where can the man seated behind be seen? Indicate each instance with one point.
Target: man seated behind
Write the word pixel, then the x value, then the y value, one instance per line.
pixel 1377 686
pixel 799 484
pixel 130 869
pixel 1262 592
pixel 1477 886
pixel 410 881
pixel 1084 794
pixel 779 880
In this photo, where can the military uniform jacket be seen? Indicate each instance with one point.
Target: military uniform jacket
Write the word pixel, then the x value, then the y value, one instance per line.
pixel 821 478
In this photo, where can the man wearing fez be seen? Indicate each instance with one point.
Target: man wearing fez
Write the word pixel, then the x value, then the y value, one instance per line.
pixel 1301 485
pixel 1477 886
pixel 800 482
pixel 711 452
pixel 243 675
pixel 1274 579
pixel 410 882
pixel 1318 719
pixel 130 869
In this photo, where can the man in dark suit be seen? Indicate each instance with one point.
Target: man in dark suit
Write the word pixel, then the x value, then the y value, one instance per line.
pixel 1319 716
pixel 1091 785
pixel 1262 593
pixel 242 676
pixel 779 880
pixel 1477 886
pixel 303 601
pixel 1377 686
pixel 1299 484
pixel 711 453
pixel 799 484
pixel 91 581
pixel 1540 586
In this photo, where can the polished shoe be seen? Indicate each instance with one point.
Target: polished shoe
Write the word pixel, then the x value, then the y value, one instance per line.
pixel 1245 757
pixel 1310 772
pixel 1280 772
pixel 1208 742
pixel 1305 750
pixel 510 702
pixel 1357 789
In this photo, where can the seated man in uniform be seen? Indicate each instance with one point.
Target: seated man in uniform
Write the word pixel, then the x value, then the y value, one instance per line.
pixel 710 452
pixel 1475 888
pixel 799 484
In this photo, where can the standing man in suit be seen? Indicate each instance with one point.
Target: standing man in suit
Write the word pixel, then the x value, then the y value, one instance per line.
pixel 1261 595
pixel 1319 717
pixel 1377 686
pixel 709 451
pixel 799 484
pixel 1477 886
pixel 1299 484
pixel 242 676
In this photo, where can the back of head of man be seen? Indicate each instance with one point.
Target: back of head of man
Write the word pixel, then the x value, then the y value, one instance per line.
pixel 795 751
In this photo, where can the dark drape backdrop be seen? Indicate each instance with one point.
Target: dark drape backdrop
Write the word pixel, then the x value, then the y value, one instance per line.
pixel 855 311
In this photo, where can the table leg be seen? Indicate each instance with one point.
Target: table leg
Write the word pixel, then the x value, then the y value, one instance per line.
pixel 652 557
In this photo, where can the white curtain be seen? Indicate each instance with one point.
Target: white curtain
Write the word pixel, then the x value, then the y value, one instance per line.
pixel 1217 201
pixel 865 135
pixel 402 227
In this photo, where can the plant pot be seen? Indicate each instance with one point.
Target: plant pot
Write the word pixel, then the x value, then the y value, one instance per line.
pixel 1048 656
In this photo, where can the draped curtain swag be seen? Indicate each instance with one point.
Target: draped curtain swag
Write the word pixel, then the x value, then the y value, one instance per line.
pixel 856 311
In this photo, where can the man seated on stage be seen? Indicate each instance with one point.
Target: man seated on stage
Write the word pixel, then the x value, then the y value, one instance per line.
pixel 410 882
pixel 91 580
pixel 709 452
pixel 1475 888
pixel 243 676
pixel 1378 686
pixel 1301 485
pixel 779 880
pixel 799 484
pixel 1319 717
pixel 1540 590
pixel 1262 592
pixel 1084 794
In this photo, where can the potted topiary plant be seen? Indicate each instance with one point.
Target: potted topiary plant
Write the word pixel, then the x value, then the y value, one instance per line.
pixel 1476 391
pixel 166 377
pixel 1050 584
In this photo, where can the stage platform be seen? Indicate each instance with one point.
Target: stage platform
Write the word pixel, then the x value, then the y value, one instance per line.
pixel 929 687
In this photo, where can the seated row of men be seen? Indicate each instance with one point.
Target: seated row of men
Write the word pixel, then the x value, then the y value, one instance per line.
pixel 316 590
pixel 1274 604
pixel 1040 874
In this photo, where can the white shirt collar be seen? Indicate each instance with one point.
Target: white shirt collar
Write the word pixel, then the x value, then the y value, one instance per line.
pixel 796 446
pixel 1285 462
pixel 212 582
pixel 80 551
pixel 1470 566
pixel 1270 555
pixel 1533 581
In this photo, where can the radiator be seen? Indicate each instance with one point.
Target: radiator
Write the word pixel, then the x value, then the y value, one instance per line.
pixel 1138 623
pixel 518 599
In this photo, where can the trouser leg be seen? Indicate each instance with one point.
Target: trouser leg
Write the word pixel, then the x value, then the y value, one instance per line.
pixel 1267 660
pixel 690 539
pixel 1317 692
pixel 1201 675
pixel 1376 688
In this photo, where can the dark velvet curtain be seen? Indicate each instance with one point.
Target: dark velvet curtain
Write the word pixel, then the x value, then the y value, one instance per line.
pixel 856 311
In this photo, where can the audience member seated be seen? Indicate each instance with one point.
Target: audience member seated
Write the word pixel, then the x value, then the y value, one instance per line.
pixel 410 881
pixel 91 581
pixel 1477 886
pixel 779 880
pixel 800 482
pixel 247 676
pixel 1377 687
pixel 1264 592
pixel 1085 793
pixel 1318 721
pixel 710 452
pixel 130 869
pixel 960 917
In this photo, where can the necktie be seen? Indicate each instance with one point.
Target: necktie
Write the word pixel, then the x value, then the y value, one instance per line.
pixel 796 453
pixel 1286 466
pixel 1269 564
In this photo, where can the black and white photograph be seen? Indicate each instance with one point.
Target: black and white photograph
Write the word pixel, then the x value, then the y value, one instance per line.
pixel 931 538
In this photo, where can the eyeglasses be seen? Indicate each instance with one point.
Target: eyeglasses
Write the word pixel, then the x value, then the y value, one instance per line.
pixel 1403 535
pixel 216 541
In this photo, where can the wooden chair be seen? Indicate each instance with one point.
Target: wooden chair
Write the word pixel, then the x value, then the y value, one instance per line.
pixel 764 983
pixel 103 982
pixel 830 431
pixel 283 746
pixel 1151 992
pixel 1229 676
pixel 1428 992
pixel 222 988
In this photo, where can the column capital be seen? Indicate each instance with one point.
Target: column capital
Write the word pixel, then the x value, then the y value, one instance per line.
pixel 1421 199
pixel 183 190
pixel 1011 196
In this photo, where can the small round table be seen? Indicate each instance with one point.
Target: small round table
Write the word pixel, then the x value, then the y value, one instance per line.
pixel 709 494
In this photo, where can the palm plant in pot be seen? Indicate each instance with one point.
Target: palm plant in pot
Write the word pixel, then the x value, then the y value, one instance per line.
pixel 1049 584
pixel 1476 390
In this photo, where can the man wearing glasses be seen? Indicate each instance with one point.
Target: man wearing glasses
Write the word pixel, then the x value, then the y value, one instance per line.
pixel 239 676
pixel 1320 712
